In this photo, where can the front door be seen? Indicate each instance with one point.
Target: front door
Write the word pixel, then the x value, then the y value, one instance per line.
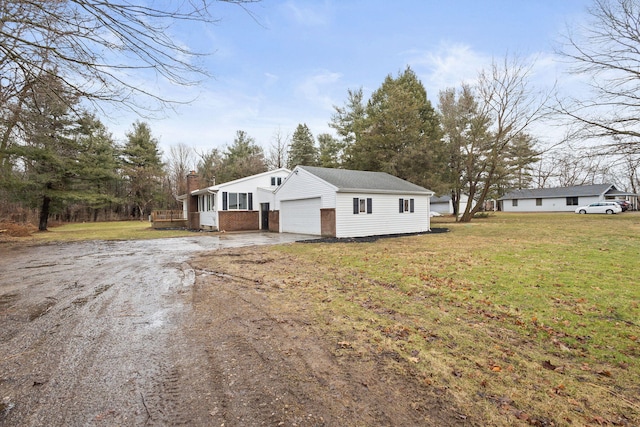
pixel 264 213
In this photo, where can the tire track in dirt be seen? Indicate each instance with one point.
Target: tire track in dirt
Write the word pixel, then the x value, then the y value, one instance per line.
pixel 99 342
pixel 276 368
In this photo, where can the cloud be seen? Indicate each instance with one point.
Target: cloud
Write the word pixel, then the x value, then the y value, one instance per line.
pixel 448 66
pixel 317 87
pixel 308 15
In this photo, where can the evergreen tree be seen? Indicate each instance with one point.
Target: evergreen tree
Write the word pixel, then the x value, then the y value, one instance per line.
pixel 142 168
pixel 303 150
pixel 242 158
pixel 348 121
pixel 64 157
pixel 330 151
pixel 46 158
pixel 98 163
pixel 399 133
pixel 208 166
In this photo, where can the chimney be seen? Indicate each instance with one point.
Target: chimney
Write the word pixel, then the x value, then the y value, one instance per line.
pixel 193 218
pixel 193 182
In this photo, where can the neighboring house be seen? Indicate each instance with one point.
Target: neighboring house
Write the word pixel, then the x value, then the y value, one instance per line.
pixel 444 204
pixel 242 204
pixel 347 203
pixel 562 199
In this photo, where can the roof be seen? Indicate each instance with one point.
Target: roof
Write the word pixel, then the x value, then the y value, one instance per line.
pixel 548 193
pixel 441 199
pixel 349 181
pixel 214 188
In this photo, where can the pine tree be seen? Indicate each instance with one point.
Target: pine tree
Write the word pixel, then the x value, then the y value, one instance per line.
pixel 330 150
pixel 142 168
pixel 242 158
pixel 399 132
pixel 303 150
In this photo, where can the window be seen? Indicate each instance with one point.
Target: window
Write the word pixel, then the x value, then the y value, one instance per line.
pixel 276 180
pixel 206 202
pixel 538 202
pixel 237 201
pixel 514 202
pixel 572 201
pixel 362 205
pixel 407 205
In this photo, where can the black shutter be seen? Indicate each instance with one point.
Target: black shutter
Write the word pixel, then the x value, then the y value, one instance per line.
pixel 401 205
pixel 411 205
pixel 356 205
pixel 224 201
pixel 250 201
pixel 369 205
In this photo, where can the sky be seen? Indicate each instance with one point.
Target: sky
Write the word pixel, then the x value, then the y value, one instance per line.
pixel 280 63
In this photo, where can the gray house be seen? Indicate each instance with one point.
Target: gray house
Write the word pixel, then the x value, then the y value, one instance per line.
pixel 562 199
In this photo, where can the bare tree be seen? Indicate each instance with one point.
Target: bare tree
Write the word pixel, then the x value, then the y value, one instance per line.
pixel 95 46
pixel 507 101
pixel 180 161
pixel 277 154
pixel 607 50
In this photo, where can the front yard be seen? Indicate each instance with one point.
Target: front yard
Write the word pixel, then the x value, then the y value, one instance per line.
pixel 530 319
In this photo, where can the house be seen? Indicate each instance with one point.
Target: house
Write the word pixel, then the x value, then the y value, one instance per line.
pixel 562 199
pixel 347 203
pixel 444 204
pixel 242 204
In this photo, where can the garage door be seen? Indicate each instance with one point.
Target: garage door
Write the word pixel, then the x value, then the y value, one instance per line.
pixel 300 216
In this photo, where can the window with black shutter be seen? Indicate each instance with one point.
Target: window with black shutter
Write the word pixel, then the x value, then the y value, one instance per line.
pixel 356 205
pixel 225 202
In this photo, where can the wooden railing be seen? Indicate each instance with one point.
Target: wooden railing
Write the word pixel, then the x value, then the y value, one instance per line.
pixel 172 215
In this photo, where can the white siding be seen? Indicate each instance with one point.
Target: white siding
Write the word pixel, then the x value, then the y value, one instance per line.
pixel 558 204
pixel 300 216
pixel 303 185
pixel 385 217
pixel 209 219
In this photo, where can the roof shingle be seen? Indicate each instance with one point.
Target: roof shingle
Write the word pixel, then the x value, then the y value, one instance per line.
pixel 352 180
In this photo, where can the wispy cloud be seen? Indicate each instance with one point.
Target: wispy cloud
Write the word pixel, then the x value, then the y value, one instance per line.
pixel 315 14
pixel 317 87
pixel 450 65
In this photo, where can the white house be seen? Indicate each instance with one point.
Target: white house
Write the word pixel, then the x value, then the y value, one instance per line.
pixel 561 199
pixel 242 204
pixel 444 204
pixel 347 203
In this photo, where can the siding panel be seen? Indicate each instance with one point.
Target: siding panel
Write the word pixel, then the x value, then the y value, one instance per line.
pixel 384 218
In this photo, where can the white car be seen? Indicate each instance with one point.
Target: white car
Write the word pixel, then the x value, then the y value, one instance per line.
pixel 600 207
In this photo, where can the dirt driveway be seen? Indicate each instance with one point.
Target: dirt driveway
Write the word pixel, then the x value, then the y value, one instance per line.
pixel 128 333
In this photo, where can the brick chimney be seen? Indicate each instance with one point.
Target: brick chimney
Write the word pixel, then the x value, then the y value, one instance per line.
pixel 193 181
pixel 193 217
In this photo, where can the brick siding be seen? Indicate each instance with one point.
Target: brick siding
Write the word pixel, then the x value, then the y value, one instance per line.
pixel 238 220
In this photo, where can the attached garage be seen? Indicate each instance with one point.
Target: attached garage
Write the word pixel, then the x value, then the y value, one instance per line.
pixel 301 216
pixel 347 203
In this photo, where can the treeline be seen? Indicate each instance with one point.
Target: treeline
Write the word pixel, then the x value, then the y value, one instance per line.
pixel 58 161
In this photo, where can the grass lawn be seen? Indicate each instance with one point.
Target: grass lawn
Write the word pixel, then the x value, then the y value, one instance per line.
pixel 529 319
pixel 522 319
pixel 115 230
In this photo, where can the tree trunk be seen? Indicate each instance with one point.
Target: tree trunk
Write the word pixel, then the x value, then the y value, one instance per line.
pixel 44 213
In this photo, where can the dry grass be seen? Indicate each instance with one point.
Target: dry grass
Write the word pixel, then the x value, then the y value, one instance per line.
pixel 14 229
pixel 524 319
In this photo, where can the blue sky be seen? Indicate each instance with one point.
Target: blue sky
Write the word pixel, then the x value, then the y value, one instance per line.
pixel 289 62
